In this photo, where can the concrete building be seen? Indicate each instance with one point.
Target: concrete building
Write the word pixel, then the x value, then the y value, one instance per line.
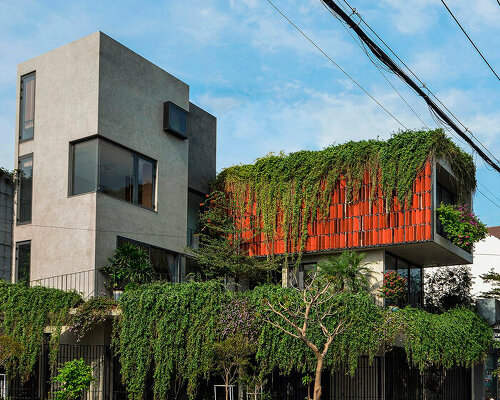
pixel 486 257
pixel 110 149
pixel 6 218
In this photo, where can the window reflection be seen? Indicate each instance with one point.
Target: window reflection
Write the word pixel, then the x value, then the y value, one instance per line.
pixel 25 188
pixel 111 169
pixel 116 171
pixel 413 276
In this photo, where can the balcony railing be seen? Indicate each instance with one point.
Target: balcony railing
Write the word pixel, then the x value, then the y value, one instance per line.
pixel 88 283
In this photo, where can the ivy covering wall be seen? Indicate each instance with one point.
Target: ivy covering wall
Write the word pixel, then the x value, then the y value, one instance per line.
pixel 296 186
pixel 26 312
pixel 171 329
pixel 168 332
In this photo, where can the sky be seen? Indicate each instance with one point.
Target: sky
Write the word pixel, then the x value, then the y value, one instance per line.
pixel 269 88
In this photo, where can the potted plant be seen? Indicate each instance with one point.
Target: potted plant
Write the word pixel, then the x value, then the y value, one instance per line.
pixel 129 265
pixel 393 288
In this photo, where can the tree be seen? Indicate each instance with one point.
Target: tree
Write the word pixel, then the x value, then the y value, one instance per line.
pixel 448 287
pixel 222 252
pixel 74 378
pixel 232 357
pixel 324 305
pixel 238 328
pixel 494 278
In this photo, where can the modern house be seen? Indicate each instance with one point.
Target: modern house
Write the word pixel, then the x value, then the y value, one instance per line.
pixel 110 149
pixel 6 219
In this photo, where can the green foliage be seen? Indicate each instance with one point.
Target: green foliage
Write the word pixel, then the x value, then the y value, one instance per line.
pixel 129 264
pixel 458 337
pixel 9 347
pixel 448 287
pixel 73 379
pixel 394 287
pixel 220 253
pixel 278 350
pixel 177 330
pixel 91 313
pixel 298 186
pixel 461 225
pixel 494 278
pixel 26 312
pixel 172 329
pixel 347 271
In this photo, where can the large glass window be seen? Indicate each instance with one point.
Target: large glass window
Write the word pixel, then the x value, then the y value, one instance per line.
pixel 23 261
pixel 85 167
pixel 25 193
pixel 413 276
pixel 145 182
pixel 27 107
pixel 116 171
pixel 108 168
pixel 167 264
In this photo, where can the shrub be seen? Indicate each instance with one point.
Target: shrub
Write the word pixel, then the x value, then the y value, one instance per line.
pixel 74 378
pixel 462 227
pixel 394 287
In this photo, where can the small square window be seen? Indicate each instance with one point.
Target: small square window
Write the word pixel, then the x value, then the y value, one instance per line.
pixel 175 120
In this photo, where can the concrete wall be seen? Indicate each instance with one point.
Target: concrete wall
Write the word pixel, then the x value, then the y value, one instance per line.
pixel 6 219
pixel 132 91
pixel 96 86
pixel 62 230
pixel 202 134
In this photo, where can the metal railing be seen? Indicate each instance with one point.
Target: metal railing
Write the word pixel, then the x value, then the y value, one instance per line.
pixel 88 283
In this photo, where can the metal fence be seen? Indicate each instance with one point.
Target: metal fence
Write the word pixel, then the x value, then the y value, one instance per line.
pixel 89 283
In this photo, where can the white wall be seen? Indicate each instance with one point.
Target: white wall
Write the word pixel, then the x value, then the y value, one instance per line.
pixel 486 256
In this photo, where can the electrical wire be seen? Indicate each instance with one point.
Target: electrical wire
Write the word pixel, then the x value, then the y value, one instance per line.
pixel 380 67
pixel 470 40
pixel 423 85
pixel 334 63
pixel 488 191
pixel 492 202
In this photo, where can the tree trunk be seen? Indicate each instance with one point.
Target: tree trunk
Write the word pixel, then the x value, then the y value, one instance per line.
pixel 317 379
pixel 226 384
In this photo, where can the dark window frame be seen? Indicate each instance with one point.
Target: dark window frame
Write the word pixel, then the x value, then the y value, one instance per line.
pixel 410 266
pixel 21 243
pixel 22 109
pixel 167 127
pixel 149 247
pixel 136 156
pixel 19 159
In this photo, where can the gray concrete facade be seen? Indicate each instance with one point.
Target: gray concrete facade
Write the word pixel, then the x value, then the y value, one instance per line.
pixel 96 87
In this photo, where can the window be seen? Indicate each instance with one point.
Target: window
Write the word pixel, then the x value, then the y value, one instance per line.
pixel 111 169
pixel 175 120
pixel 116 171
pixel 167 264
pixel 25 193
pixel 413 276
pixel 23 261
pixel 85 167
pixel 27 107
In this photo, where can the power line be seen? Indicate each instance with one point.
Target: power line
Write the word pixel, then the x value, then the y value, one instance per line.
pixel 353 10
pixel 383 57
pixel 496 204
pixel 379 67
pixel 488 191
pixel 470 40
pixel 334 63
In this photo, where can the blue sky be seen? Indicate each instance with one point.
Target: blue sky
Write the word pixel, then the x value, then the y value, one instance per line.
pixel 269 88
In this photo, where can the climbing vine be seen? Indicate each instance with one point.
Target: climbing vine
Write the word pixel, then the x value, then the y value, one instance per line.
pixel 288 191
pixel 27 311
pixel 458 337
